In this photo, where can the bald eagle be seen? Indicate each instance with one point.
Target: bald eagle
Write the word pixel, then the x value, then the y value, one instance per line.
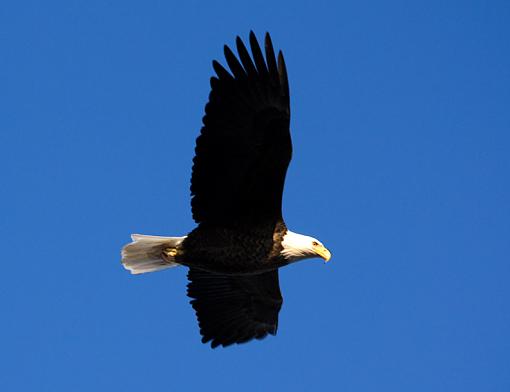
pixel 241 240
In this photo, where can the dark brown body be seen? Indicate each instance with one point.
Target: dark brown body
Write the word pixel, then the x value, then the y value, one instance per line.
pixel 234 251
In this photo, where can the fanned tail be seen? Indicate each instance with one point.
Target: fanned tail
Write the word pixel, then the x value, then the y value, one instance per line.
pixel 145 253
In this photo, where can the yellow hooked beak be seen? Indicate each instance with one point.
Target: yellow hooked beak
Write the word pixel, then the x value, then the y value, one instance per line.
pixel 323 252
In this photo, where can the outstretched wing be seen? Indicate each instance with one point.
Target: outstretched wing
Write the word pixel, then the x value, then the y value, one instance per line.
pixel 235 309
pixel 244 148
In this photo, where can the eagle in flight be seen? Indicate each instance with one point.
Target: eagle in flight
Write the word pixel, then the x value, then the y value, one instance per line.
pixel 241 240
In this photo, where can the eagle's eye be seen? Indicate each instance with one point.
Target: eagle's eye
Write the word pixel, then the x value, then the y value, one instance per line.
pixel 315 243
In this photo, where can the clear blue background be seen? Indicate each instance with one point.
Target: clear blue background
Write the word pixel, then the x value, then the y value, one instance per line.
pixel 400 120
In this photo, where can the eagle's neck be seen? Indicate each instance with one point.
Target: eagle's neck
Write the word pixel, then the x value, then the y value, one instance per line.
pixel 296 246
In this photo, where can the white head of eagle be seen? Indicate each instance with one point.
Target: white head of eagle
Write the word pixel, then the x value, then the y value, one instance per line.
pixel 298 247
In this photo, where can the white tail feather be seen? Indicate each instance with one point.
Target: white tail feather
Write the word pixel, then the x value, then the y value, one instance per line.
pixel 144 254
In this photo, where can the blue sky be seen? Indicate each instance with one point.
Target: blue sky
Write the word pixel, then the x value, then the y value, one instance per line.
pixel 400 121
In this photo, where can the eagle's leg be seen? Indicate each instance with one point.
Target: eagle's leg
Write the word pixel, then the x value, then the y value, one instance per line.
pixel 169 253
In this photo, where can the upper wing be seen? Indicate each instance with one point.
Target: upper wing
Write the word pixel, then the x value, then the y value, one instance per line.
pixel 235 309
pixel 244 148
